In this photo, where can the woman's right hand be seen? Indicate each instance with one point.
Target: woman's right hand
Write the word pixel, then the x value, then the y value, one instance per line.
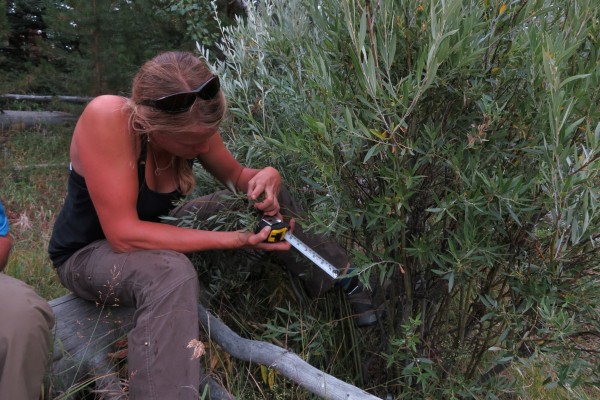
pixel 251 240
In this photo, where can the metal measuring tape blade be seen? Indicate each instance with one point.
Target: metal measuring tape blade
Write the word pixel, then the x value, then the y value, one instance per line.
pixel 280 232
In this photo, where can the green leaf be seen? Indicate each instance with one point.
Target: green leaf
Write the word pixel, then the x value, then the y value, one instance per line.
pixel 362 32
pixel 572 78
pixel 451 282
pixel 371 152
pixel 312 183
pixel 487 316
pixel 513 215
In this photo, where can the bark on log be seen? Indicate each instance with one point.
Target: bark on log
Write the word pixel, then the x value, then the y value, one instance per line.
pixel 85 334
pixel 44 99
pixel 29 119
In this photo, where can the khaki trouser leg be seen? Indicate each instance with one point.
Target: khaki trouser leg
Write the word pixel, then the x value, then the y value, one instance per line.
pixel 163 287
pixel 25 323
pixel 315 279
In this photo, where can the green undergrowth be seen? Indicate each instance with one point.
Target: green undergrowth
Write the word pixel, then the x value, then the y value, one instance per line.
pixel 529 385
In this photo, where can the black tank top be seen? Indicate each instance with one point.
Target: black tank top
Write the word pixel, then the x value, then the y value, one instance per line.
pixel 78 225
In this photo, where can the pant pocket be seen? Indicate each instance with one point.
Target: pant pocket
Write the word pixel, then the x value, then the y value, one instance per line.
pixel 72 274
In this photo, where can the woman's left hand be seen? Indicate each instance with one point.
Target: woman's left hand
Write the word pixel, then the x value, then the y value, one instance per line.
pixel 266 180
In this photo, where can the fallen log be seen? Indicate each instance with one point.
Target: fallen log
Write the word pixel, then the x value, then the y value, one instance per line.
pixel 29 119
pixel 45 99
pixel 86 333
pixel 281 360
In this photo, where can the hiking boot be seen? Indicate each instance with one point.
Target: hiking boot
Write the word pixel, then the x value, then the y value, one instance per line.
pixel 362 305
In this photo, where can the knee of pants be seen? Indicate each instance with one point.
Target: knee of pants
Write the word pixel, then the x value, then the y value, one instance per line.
pixel 172 272
pixel 30 318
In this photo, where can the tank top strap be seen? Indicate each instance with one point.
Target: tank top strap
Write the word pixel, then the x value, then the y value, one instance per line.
pixel 141 162
pixel 144 149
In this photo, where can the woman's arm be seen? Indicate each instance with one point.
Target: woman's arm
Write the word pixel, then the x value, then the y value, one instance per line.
pixel 106 155
pixel 219 162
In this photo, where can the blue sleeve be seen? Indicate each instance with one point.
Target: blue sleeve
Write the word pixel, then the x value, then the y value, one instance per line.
pixel 3 222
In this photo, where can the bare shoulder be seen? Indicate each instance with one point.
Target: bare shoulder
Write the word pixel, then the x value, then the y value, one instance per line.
pixel 103 118
pixel 107 110
pixel 102 130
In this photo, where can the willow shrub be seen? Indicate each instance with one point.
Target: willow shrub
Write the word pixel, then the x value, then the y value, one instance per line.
pixel 454 147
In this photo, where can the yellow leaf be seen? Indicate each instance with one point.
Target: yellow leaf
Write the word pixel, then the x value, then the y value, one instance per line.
pixel 214 359
pixel 502 8
pixel 263 371
pixel 494 69
pixel 271 378
pixel 379 135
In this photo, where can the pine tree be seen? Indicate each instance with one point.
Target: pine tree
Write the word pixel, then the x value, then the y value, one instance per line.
pixel 21 28
pixel 3 24
pixel 106 41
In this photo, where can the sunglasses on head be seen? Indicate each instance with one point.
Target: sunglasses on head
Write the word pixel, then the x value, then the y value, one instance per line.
pixel 180 102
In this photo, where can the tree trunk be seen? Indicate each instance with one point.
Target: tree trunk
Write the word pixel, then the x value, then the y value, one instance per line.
pixel 31 119
pixel 46 99
pixel 97 49
pixel 85 334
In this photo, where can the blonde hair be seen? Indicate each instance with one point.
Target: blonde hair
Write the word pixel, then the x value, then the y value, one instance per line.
pixel 170 73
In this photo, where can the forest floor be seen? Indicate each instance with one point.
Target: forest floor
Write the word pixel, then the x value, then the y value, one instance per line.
pixel 33 181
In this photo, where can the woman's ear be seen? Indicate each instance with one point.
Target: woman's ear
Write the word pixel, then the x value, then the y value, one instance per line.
pixel 139 124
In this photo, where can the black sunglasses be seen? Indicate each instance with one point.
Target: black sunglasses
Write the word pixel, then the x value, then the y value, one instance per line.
pixel 180 102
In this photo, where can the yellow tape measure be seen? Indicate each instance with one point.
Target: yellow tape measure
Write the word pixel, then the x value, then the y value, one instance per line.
pixel 278 228
pixel 279 232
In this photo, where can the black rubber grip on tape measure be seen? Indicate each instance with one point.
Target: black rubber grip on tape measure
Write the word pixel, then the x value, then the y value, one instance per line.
pixel 278 229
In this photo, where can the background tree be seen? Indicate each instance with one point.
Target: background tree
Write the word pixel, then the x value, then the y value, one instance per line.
pixel 4 27
pixel 19 55
pixel 104 42
pixel 95 47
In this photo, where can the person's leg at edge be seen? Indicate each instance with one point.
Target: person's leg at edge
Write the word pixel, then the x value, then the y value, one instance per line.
pixel 163 287
pixel 26 321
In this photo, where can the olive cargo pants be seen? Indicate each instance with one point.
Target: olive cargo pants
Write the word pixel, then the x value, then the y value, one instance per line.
pixel 163 287
pixel 25 323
